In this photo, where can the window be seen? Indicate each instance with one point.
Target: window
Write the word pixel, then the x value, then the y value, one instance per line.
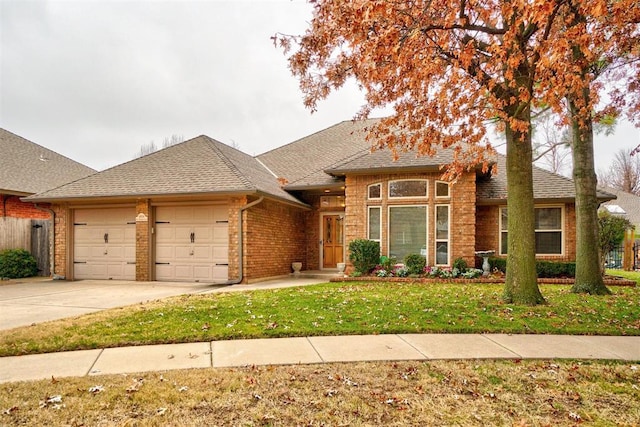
pixel 442 234
pixel 442 189
pixel 375 219
pixel 375 192
pixel 548 225
pixel 407 230
pixel 408 188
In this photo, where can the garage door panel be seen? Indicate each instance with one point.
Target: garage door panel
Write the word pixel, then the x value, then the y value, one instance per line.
pixel 95 258
pixel 187 260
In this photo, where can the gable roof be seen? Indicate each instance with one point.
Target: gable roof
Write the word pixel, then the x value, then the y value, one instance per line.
pixel 547 186
pixel 630 203
pixel 302 162
pixel 199 166
pixel 28 168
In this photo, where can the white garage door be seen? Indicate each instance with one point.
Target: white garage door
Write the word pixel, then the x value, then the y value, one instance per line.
pixel 192 243
pixel 104 244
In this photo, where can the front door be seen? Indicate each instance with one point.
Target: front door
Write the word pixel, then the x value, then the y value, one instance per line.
pixel 332 241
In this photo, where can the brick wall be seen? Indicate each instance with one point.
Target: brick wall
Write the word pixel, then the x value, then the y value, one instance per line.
pixel 274 238
pixel 235 203
pixel 143 237
pixel 61 237
pixel 488 233
pixel 461 201
pixel 12 206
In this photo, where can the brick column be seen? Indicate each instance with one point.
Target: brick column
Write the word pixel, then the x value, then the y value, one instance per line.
pixel 143 240
pixel 61 236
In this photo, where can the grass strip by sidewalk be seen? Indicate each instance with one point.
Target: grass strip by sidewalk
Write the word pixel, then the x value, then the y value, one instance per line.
pixel 332 309
pixel 460 393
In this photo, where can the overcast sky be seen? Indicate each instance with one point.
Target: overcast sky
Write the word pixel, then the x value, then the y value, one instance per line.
pixel 95 80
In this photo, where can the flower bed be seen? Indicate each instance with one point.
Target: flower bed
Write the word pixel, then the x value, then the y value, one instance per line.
pixel 492 279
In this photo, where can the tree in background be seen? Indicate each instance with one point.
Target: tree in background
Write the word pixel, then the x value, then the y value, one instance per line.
pixel 152 147
pixel 552 144
pixel 624 173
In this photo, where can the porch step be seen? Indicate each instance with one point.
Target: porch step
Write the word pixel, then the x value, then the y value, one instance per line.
pixel 318 274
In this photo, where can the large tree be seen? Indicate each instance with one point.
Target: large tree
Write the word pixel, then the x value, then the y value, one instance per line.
pixel 598 42
pixel 448 68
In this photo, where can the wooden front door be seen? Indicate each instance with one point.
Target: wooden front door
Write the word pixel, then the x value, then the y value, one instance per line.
pixel 332 241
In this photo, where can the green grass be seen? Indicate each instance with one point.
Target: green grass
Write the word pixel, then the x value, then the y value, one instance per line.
pixel 333 309
pixel 631 275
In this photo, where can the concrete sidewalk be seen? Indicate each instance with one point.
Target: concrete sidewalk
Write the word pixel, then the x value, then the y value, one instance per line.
pixel 308 350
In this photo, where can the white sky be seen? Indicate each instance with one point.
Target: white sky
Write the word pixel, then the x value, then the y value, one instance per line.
pixel 95 80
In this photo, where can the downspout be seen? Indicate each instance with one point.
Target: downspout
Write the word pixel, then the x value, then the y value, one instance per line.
pixel 52 257
pixel 240 246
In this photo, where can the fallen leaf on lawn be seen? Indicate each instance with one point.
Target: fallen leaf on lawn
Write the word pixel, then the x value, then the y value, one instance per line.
pixel 161 411
pixel 10 410
pixel 206 327
pixel 96 389
pixel 183 388
pixel 53 380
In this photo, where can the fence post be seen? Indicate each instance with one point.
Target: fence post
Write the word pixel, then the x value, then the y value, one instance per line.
pixel 627 261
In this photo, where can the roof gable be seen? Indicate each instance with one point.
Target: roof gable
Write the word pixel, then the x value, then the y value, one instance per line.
pixel 199 166
pixel 28 168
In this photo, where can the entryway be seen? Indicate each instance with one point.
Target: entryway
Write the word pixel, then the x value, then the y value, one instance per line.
pixel 332 240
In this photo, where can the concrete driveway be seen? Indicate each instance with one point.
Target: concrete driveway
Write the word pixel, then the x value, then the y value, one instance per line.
pixel 27 301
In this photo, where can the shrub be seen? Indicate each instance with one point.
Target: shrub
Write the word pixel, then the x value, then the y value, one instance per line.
pixel 17 263
pixel 544 269
pixel 415 263
pixel 364 255
pixel 460 264
pixel 388 263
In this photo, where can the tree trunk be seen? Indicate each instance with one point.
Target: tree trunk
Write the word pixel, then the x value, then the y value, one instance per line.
pixel 521 285
pixel 588 267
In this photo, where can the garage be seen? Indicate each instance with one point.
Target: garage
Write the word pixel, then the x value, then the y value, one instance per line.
pixel 192 243
pixel 104 244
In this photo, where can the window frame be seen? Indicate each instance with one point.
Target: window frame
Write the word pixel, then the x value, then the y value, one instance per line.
pixel 392 198
pixel 448 196
pixel 379 208
pixel 562 230
pixel 437 240
pixel 378 184
pixel 426 234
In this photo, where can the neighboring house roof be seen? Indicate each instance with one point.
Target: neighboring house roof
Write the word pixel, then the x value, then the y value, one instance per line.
pixel 28 168
pixel 630 203
pixel 547 186
pixel 302 162
pixel 199 166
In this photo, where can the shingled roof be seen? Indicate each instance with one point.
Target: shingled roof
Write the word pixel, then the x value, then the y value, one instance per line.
pixel 547 186
pixel 630 203
pixel 199 166
pixel 28 168
pixel 302 162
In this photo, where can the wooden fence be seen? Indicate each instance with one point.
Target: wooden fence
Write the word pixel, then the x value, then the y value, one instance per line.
pixel 29 234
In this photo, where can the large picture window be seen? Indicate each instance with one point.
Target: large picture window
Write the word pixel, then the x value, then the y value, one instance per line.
pixel 407 230
pixel 408 188
pixel 548 225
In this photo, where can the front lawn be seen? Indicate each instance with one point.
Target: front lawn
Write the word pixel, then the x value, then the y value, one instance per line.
pixel 333 309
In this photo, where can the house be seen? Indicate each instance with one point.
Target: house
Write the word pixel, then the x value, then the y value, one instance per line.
pixel 203 211
pixel 27 168
pixel 625 204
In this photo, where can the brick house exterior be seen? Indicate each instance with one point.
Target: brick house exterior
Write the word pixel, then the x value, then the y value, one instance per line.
pixel 230 217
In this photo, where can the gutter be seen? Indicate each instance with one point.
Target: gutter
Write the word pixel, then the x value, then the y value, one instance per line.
pixel 240 245
pixel 52 256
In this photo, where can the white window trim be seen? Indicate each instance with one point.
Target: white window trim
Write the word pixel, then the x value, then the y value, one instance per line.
pixel 448 196
pixel 379 224
pixel 435 235
pixel 426 236
pixel 426 196
pixel 562 230
pixel 373 185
